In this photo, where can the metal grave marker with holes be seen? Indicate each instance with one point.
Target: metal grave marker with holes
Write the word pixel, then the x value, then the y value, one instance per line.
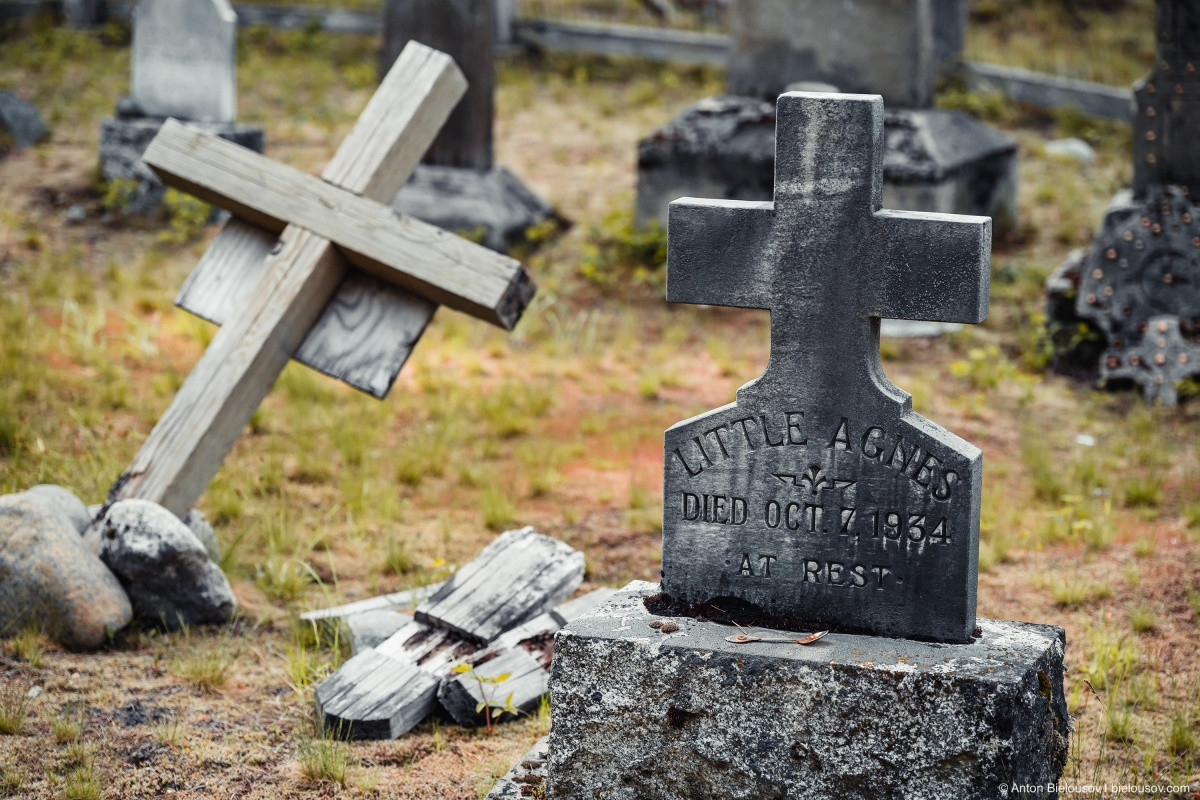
pixel 1139 282
pixel 819 496
pixel 337 272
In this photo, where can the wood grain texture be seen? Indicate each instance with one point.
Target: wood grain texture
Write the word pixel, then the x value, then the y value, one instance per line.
pixel 521 574
pixel 243 361
pixel 363 337
pixel 373 696
pixel 414 255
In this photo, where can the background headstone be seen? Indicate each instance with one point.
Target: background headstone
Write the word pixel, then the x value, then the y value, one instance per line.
pixel 896 48
pixel 1139 281
pixel 465 30
pixel 936 160
pixel 1167 126
pixel 458 186
pixel 184 55
pixel 84 13
pixel 21 120
pixel 183 66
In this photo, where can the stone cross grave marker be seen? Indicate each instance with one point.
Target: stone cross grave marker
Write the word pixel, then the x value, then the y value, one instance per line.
pixel 301 234
pixel 1167 126
pixel 184 54
pixel 819 497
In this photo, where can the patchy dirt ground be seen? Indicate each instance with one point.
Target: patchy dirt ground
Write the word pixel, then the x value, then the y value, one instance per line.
pixel 1091 514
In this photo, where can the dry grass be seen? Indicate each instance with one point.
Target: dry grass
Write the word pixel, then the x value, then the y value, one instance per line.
pixel 559 426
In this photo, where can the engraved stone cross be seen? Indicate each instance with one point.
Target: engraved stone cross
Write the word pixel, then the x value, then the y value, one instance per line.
pixel 819 497
pixel 301 236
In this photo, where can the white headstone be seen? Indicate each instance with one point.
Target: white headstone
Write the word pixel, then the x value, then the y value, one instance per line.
pixel 183 59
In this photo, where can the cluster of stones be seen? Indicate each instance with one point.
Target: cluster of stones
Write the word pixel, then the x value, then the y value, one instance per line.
pixel 1139 282
pixel 79 574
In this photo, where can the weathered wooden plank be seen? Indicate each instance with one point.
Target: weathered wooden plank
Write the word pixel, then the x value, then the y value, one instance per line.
pixel 237 370
pixel 373 696
pixel 405 601
pixel 363 337
pixel 527 681
pixel 518 576
pixel 404 251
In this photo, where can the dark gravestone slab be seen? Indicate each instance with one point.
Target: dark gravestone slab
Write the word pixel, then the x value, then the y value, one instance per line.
pixel 724 147
pixel 897 48
pixel 465 30
pixel 21 121
pixel 820 498
pixel 458 187
pixel 1168 99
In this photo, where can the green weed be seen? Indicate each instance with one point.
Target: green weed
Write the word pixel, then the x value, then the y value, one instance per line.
pixel 29 645
pixel 1180 740
pixel 326 760
pixel 14 707
pixel 1112 658
pixel 81 783
pixel 1077 592
pixel 66 727
pixel 498 509
pixel 489 690
pixel 1143 619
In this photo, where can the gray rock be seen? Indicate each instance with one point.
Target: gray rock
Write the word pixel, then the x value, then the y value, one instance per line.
pixel 1072 148
pixel 84 13
pixel 491 204
pixel 372 628
pixel 183 59
pixel 897 48
pixel 638 714
pixel 198 524
pixel 50 579
pixel 21 120
pixel 162 565
pixel 724 148
pixel 64 502
pixel 819 499
pixel 124 138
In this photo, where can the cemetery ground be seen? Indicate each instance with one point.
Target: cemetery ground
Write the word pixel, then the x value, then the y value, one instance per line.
pixel 1091 515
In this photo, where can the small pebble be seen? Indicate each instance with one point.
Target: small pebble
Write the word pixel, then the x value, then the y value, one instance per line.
pixel 669 627
pixel 656 623
pixel 76 213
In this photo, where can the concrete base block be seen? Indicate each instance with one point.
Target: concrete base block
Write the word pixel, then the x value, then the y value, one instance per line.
pixel 123 140
pixel 491 205
pixel 647 715
pixel 724 147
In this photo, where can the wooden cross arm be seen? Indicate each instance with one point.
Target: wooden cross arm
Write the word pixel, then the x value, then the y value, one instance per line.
pixel 933 267
pixel 414 255
pixel 715 252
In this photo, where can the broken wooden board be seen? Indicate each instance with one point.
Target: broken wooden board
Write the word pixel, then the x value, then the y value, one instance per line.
pixel 371 622
pixel 378 692
pixel 351 703
pixel 363 337
pixel 518 576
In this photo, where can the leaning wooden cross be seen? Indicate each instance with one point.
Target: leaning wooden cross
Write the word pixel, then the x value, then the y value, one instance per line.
pixel 311 240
